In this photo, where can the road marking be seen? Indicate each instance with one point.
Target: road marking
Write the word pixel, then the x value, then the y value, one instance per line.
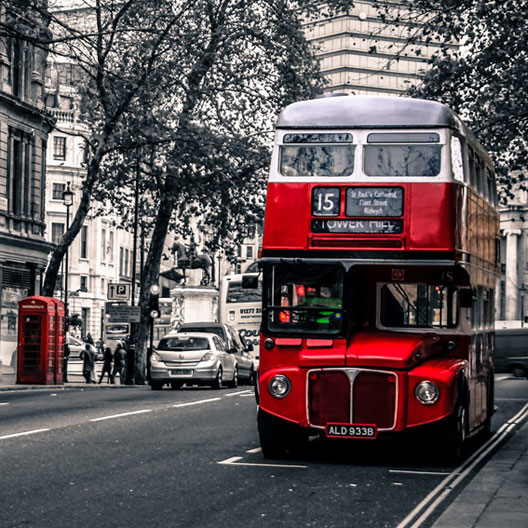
pixel 461 472
pixel 502 378
pixel 110 417
pixel 419 472
pixel 256 450
pixel 198 402
pixel 2 403
pixel 233 461
pixel 237 393
pixel 23 434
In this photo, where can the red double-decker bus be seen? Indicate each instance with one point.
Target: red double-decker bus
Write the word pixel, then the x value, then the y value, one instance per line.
pixel 379 261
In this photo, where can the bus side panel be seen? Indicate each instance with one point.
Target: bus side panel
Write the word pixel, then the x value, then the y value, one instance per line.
pixel 431 217
pixel 288 216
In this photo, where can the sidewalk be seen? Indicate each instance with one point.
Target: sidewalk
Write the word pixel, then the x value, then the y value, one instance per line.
pixel 8 383
pixel 498 494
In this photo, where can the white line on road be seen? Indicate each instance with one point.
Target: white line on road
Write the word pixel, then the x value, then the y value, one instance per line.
pixel 4 403
pixel 198 402
pixel 502 378
pixel 256 450
pixel 237 393
pixel 23 433
pixel 419 472
pixel 110 417
pixel 233 462
pixel 461 472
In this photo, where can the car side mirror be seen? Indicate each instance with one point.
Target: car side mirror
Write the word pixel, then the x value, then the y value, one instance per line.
pixel 250 281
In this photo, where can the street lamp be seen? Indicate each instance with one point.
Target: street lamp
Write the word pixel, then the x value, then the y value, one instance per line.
pixel 67 200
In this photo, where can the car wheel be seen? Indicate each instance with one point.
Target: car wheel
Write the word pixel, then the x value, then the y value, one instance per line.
pixel 519 372
pixel 233 384
pixel 156 385
pixel 218 381
pixel 176 385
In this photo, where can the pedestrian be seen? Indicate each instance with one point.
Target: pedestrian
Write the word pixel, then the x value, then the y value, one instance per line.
pixel 107 365
pixel 120 362
pixel 88 358
pixel 65 364
pixel 89 339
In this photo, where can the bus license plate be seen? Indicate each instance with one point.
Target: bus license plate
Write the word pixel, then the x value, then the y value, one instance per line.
pixel 340 430
pixel 181 372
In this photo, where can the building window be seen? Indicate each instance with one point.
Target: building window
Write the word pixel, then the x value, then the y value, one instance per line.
pixel 57 230
pixel 249 252
pixel 84 283
pixel 111 246
pixel 59 148
pixel 19 170
pixel 84 242
pixel 56 190
pixel 121 261
pixel 103 245
pixel 126 263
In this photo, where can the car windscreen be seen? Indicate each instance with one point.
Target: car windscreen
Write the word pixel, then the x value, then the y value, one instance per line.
pixel 183 343
pixel 206 329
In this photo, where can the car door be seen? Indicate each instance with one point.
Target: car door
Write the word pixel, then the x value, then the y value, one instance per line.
pixel 244 360
pixel 227 360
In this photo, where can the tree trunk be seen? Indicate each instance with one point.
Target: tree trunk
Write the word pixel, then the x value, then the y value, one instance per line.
pixel 151 277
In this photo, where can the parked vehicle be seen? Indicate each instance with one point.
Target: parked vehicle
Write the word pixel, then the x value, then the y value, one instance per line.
pixel 511 351
pixel 193 358
pixel 235 345
pixel 78 345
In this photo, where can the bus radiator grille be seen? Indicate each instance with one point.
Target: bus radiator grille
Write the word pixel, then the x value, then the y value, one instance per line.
pixel 371 394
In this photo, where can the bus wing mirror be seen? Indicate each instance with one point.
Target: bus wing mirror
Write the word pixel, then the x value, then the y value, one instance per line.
pixel 466 298
pixel 250 281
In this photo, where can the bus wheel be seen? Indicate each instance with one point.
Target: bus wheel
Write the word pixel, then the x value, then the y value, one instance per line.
pixel 455 434
pixel 156 385
pixel 233 384
pixel 273 435
pixel 218 381
pixel 176 385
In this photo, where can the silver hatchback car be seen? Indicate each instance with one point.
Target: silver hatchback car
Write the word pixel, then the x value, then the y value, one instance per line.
pixel 194 358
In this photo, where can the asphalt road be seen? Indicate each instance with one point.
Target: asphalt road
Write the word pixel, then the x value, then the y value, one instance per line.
pixel 101 457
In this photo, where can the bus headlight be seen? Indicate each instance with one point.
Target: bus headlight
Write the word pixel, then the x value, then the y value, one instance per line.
pixel 427 392
pixel 279 386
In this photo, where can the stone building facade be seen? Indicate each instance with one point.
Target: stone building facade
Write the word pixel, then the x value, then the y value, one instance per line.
pixel 24 128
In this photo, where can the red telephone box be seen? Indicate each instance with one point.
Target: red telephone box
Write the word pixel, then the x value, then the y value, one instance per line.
pixel 40 340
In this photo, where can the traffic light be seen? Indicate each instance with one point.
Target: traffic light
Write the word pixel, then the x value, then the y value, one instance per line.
pixel 154 310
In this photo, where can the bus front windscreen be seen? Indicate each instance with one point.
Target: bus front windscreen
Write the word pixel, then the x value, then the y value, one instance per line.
pixel 305 298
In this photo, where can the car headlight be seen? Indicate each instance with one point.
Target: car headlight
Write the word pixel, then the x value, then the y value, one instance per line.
pixel 427 392
pixel 279 386
pixel 155 358
pixel 209 356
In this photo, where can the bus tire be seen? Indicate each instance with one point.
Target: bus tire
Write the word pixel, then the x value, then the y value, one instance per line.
pixel 490 406
pixel 456 432
pixel 272 434
pixel 233 384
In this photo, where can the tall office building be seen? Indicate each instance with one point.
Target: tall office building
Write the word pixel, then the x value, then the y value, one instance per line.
pixel 361 54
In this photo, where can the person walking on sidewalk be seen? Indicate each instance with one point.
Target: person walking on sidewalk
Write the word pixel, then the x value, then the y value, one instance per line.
pixel 107 365
pixel 120 364
pixel 88 358
pixel 65 364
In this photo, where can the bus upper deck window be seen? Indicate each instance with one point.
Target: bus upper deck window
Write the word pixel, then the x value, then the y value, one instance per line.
pixel 402 154
pixel 324 154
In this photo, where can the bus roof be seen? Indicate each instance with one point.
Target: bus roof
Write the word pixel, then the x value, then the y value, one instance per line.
pixel 366 111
